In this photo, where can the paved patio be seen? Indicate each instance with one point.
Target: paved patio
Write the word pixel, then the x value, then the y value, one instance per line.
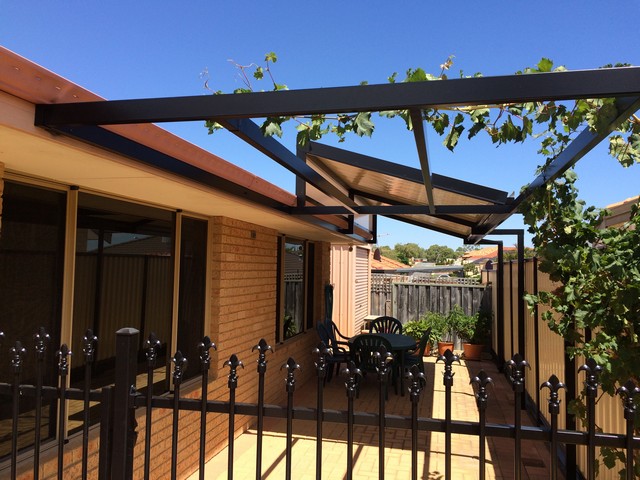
pixel 398 443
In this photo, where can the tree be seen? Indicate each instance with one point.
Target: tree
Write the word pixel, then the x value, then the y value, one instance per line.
pixel 439 254
pixel 388 252
pixel 406 252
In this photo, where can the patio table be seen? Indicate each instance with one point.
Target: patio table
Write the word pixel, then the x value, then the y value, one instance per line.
pixel 400 344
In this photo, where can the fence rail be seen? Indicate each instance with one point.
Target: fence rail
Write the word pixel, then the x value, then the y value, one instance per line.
pixel 117 462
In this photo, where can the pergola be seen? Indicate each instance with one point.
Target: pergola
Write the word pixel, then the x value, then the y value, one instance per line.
pixel 334 183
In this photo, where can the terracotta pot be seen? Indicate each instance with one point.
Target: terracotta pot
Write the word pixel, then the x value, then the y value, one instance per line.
pixel 443 346
pixel 472 351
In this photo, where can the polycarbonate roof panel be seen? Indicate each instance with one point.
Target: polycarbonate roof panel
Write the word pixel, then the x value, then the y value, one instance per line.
pixel 385 184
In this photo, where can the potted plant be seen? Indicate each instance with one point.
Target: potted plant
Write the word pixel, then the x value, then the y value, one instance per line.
pixel 474 331
pixel 416 329
pixel 441 331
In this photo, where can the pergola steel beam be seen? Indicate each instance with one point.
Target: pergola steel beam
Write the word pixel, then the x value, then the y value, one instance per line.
pixel 578 148
pixel 599 83
pixel 421 144
pixel 248 131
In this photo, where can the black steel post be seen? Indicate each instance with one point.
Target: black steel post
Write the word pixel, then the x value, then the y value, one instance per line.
pixel 291 367
pixel 592 370
pixel 353 379
pixel 383 361
pixel 233 363
pixel 41 339
pixel 205 363
pixel 571 456
pixel 321 352
pixel 536 336
pixel 63 370
pixel 628 392
pixel 88 349
pixel 263 347
pixel 482 380
pixel 124 422
pixel 152 344
pixel 500 307
pixel 448 358
pixel 17 354
pixel 106 420
pixel 521 302
pixel 179 366
pixel 554 385
pixel 416 383
pixel 516 376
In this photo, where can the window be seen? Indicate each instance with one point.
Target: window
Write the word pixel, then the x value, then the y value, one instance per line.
pixel 135 266
pixel 296 271
pixel 192 295
pixel 123 278
pixel 31 276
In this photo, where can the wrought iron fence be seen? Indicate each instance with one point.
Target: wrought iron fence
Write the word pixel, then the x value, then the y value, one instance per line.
pixel 117 428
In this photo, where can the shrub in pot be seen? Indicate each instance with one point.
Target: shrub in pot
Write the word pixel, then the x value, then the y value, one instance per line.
pixel 417 328
pixel 441 331
pixel 474 331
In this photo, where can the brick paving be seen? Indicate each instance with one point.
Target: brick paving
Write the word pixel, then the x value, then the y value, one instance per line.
pixel 431 461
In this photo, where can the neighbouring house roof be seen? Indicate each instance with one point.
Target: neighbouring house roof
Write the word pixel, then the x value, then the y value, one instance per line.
pixel 430 268
pixel 619 212
pixel 385 264
pixel 486 253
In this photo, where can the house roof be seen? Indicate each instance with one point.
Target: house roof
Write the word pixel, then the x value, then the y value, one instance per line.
pixel 619 212
pixel 385 263
pixel 162 168
pixel 486 253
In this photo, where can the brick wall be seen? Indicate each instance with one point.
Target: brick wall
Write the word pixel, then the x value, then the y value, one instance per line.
pixel 243 310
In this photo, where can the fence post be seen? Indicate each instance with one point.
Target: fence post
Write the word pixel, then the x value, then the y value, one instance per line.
pixel 124 421
pixel 448 358
pixel 482 380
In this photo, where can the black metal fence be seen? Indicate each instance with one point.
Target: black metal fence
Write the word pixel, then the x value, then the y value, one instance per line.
pixel 118 404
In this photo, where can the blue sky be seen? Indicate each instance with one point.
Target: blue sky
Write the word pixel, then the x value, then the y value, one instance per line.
pixel 156 49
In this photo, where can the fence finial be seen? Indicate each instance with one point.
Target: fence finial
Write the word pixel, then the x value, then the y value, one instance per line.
pixel 63 359
pixel 554 385
pixel 17 354
pixel 263 347
pixel 628 392
pixel 88 345
pixel 233 363
pixel 203 349
pixel 592 370
pixel 417 382
pixel 41 339
pixel 321 353
pixel 482 380
pixel 354 375
pixel 152 344
pixel 179 366
pixel 448 358
pixel 291 367
pixel 382 361
pixel 516 372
